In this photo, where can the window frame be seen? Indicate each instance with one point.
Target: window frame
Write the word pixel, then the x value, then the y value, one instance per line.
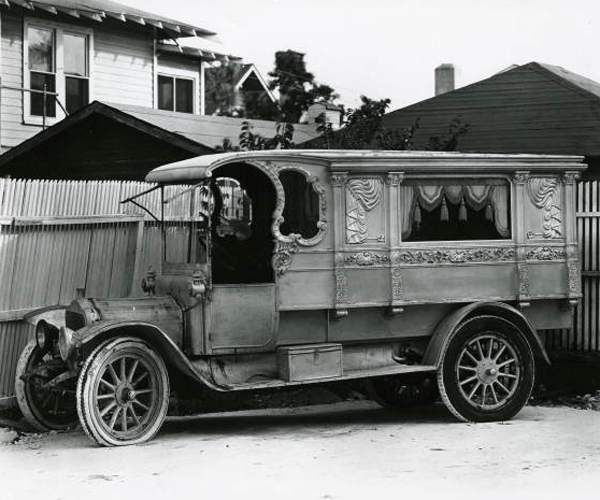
pixel 175 76
pixel 59 30
pixel 312 181
pixel 409 179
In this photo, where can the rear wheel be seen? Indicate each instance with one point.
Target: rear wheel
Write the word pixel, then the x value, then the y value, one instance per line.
pixel 487 371
pixel 123 393
pixel 45 390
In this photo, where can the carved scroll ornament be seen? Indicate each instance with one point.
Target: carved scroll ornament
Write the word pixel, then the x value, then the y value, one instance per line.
pixel 278 215
pixel 362 196
pixel 456 255
pixel 282 257
pixel 287 245
pixel 367 258
pixel 544 193
pixel 546 253
pixel 524 280
pixel 396 284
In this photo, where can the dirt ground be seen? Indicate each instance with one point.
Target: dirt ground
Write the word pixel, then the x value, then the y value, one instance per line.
pixel 344 450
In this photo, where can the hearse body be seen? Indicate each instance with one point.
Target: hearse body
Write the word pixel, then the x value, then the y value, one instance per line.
pixel 376 265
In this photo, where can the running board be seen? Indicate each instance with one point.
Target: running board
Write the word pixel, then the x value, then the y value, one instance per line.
pixel 347 375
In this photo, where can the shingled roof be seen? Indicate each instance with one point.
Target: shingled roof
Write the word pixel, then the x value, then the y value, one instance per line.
pixel 101 141
pixel 533 108
pixel 99 10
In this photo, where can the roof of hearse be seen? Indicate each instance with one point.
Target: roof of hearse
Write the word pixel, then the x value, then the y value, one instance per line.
pixel 373 161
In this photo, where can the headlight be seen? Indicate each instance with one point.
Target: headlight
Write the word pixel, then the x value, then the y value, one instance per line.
pixel 45 335
pixel 65 340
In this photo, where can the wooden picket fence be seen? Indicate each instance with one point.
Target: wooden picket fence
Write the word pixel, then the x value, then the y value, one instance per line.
pixel 585 334
pixel 58 236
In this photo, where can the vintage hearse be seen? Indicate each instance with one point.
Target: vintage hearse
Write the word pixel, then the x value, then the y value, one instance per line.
pixel 372 265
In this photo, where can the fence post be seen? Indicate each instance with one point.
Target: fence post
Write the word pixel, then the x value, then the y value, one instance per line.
pixel 137 262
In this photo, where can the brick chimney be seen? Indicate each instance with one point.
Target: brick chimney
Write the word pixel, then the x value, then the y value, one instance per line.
pixel 444 78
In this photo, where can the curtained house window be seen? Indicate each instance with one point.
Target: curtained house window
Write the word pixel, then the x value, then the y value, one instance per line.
pixel 456 210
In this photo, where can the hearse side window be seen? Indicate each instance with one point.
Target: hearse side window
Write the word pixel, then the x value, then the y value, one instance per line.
pixel 456 210
pixel 301 209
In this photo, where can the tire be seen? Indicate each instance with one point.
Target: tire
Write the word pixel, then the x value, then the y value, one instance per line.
pixel 123 393
pixel 44 409
pixel 487 370
pixel 404 391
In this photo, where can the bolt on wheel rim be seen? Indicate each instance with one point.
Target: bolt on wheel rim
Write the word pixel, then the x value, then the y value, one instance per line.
pixel 488 371
pixel 127 396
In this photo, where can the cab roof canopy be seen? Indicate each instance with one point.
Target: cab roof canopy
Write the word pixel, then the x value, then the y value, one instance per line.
pixel 375 161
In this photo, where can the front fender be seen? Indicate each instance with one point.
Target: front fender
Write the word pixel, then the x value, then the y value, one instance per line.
pixel 55 315
pixel 88 338
pixel 437 345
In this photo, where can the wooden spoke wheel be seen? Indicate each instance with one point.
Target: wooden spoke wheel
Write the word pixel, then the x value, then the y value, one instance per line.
pixel 487 371
pixel 123 393
pixel 45 390
pixel 404 391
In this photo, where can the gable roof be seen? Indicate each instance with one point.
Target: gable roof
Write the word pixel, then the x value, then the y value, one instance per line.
pixel 111 152
pixel 100 141
pixel 249 70
pixel 533 108
pixel 115 114
pixel 209 129
pixel 578 81
pixel 98 10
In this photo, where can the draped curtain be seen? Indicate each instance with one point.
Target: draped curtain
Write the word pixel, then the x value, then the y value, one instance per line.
pixel 362 195
pixel 476 196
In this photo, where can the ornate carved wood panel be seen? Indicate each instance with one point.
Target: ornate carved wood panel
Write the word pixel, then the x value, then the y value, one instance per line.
pixel 365 211
pixel 545 195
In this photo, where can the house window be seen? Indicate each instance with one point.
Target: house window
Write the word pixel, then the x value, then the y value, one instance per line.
pixel 42 69
pixel 455 210
pixel 76 71
pixel 175 94
pixel 57 59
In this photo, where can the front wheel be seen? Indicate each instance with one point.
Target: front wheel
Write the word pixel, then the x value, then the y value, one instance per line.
pixel 487 370
pixel 45 389
pixel 123 393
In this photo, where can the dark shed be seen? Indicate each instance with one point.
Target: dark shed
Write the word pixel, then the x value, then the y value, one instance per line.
pixel 98 142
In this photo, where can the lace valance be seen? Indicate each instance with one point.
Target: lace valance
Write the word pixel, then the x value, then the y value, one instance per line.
pixel 493 198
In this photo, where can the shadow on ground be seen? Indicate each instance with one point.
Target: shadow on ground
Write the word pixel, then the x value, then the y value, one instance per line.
pixel 359 414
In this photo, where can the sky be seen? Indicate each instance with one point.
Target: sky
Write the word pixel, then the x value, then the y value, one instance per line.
pixel 390 48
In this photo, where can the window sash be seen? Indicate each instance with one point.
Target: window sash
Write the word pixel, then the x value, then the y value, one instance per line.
pixel 37 98
pixel 47 66
pixel 184 98
pixel 80 59
pixel 175 94
pixel 65 74
pixel 79 98
pixel 166 85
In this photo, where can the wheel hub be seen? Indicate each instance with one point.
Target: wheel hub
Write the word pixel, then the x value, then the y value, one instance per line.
pixel 125 394
pixel 487 371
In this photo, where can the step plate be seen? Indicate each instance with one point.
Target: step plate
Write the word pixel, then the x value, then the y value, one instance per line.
pixel 348 375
